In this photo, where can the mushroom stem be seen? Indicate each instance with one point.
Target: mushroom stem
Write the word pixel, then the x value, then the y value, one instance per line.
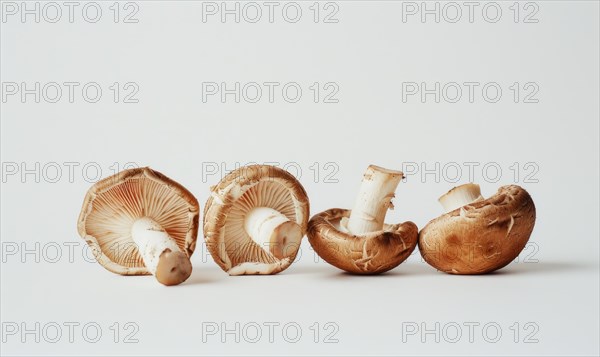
pixel 273 231
pixel 461 196
pixel 374 199
pixel 160 252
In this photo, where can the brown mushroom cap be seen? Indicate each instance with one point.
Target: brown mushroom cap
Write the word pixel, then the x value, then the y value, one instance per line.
pixel 236 194
pixel 113 204
pixel 372 253
pixel 482 236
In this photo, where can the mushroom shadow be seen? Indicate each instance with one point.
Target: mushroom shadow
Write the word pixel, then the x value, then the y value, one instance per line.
pixel 543 267
pixel 331 272
pixel 312 269
pixel 204 276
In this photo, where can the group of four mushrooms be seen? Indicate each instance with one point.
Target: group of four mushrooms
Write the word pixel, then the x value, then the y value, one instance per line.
pixel 140 222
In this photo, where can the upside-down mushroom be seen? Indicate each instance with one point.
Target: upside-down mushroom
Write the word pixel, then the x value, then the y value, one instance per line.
pixel 477 235
pixel 140 222
pixel 255 219
pixel 359 241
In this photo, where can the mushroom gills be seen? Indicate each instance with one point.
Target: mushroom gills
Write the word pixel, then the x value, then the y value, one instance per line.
pixel 461 196
pixel 374 199
pixel 273 231
pixel 160 252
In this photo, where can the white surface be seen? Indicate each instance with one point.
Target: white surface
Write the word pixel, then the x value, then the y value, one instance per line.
pixel 368 53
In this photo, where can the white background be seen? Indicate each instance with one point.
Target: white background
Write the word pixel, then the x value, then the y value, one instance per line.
pixel 551 293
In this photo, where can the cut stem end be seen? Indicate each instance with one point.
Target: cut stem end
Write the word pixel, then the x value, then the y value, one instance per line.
pixel 374 199
pixel 273 231
pixel 461 196
pixel 160 252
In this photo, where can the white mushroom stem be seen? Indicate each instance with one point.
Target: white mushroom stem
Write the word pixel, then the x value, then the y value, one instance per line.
pixel 273 231
pixel 160 252
pixel 461 196
pixel 373 201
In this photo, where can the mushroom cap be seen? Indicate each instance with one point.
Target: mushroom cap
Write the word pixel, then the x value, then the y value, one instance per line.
pixel 482 236
pixel 234 196
pixel 113 204
pixel 372 253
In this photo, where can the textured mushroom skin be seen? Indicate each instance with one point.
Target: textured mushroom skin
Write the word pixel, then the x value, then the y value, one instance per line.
pixel 222 198
pixel 374 253
pixel 106 184
pixel 480 237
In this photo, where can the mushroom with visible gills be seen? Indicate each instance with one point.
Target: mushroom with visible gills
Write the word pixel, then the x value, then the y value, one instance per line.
pixel 140 222
pixel 255 219
pixel 359 241
pixel 478 235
